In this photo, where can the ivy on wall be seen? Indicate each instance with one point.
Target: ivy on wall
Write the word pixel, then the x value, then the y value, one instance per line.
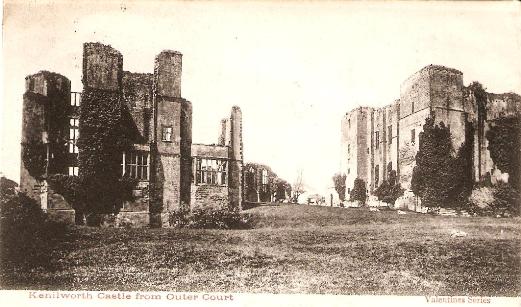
pixel 102 140
pixel 34 156
pixel 504 145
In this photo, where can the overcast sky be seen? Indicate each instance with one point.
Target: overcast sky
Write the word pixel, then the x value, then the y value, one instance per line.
pixel 293 68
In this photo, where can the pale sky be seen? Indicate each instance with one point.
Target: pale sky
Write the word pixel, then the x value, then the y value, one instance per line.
pixel 293 68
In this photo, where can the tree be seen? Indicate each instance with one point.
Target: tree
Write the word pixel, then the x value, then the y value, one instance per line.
pixel 298 186
pixel 440 177
pixel 504 146
pixel 390 189
pixel 359 192
pixel 7 189
pixel 283 189
pixel 340 185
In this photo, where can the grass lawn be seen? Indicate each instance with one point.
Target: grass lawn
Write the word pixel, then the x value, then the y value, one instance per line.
pixel 299 249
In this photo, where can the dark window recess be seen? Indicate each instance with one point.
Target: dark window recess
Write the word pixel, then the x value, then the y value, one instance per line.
pixel 413 136
pixel 376 175
pixel 167 134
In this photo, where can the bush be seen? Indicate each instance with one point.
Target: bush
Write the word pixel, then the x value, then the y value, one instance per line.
pixel 29 240
pixel 359 192
pixel 482 197
pixel 502 200
pixel 439 178
pixel 507 200
pixel 210 218
pixel 390 189
pixel 178 218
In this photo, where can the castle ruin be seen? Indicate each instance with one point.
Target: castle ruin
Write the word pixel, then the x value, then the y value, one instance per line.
pixel 159 122
pixel 376 140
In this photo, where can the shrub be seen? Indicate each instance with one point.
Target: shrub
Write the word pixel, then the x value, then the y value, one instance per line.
pixel 390 189
pixel 440 178
pixel 178 218
pixel 507 200
pixel 502 200
pixel 29 240
pixel 482 197
pixel 210 218
pixel 359 192
pixel 504 145
pixel 340 185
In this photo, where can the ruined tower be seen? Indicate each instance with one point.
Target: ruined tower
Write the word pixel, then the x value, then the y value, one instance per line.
pixel 171 146
pixel 149 140
pixel 45 120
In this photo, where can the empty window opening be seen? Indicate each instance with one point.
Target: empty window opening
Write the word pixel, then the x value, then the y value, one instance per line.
pixel 211 171
pixel 167 134
pixel 74 133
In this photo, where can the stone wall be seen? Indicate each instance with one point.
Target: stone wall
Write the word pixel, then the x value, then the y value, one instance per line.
pixel 415 93
pixel 434 90
pixel 150 102
pixel 102 67
pixel 205 196
pixel 446 91
pixel 45 114
pixel 137 93
pixel 235 191
pixel 349 148
pixel 408 146
pixel 167 73
pixel 363 141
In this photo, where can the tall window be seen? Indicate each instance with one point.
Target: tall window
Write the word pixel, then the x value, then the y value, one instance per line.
pixel 412 106
pixel 211 171
pixel 75 99
pixel 264 177
pixel 413 136
pixel 376 175
pixel 73 171
pixel 74 133
pixel 377 139
pixel 348 149
pixel 264 180
pixel 136 165
pixel 167 134
pixel 349 123
pixel 390 134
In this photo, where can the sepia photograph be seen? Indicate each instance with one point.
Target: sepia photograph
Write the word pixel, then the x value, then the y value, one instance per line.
pixel 228 152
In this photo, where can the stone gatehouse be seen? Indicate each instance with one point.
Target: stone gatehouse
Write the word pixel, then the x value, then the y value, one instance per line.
pixel 375 140
pixel 159 121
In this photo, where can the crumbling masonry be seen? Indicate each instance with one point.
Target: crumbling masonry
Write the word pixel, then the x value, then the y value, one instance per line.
pixel 184 175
